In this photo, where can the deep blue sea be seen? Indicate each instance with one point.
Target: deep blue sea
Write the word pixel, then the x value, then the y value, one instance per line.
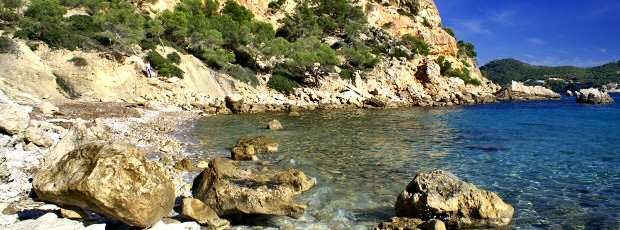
pixel 556 162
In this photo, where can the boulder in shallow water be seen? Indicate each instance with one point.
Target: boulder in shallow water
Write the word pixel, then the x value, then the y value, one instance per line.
pixel 244 153
pixel 275 125
pixel 411 223
pixel 110 178
pixel 593 96
pixel 247 148
pixel 229 190
pixel 460 204
pixel 184 164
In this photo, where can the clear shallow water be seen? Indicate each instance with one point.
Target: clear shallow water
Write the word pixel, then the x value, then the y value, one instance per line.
pixel 556 162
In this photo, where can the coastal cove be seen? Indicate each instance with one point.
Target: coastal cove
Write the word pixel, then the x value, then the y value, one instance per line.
pixel 554 161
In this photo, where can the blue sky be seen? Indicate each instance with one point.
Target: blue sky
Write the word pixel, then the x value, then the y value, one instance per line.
pixel 580 33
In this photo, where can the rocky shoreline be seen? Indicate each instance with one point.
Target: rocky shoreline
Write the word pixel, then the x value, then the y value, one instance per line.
pixel 46 136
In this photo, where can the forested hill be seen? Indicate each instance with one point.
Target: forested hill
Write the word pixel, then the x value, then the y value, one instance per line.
pixel 559 78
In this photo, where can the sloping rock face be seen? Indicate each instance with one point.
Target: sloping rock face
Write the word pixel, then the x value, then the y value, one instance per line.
pixel 518 91
pixel 460 204
pixel 229 190
pixel 110 178
pixel 593 96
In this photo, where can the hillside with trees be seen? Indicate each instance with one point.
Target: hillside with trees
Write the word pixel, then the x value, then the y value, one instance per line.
pixel 559 78
pixel 227 38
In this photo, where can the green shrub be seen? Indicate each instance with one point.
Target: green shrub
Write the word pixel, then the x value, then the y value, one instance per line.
pixel 22 34
pixel 402 11
pixel 346 74
pixel 467 49
pixel 413 7
pixel 174 57
pixel 6 45
pixel 281 83
pixel 67 88
pixel 450 31
pixel 276 5
pixel 164 67
pixel 242 74
pixel 237 12
pixel 78 61
pixel 388 25
pixel 447 71
pixel 8 15
pixel 33 45
pixel 427 23
pixel 415 45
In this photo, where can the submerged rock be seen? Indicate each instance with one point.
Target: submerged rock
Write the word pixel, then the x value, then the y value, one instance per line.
pixel 247 148
pixel 593 96
pixel 229 190
pixel 411 223
pixel 110 178
pixel 274 125
pixel 460 204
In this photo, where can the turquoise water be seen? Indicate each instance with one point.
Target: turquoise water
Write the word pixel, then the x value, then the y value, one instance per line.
pixel 556 162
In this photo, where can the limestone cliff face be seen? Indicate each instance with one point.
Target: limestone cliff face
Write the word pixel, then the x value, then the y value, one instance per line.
pixel 440 42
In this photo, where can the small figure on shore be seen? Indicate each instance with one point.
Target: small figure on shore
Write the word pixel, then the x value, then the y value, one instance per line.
pixel 148 69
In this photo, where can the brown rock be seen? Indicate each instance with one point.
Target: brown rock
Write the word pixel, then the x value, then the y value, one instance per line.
pixel 73 212
pixel 229 190
pixel 195 209
pixel 442 195
pixel 244 153
pixel 274 125
pixel 110 178
pixel 402 223
pixel 247 148
pixel 184 164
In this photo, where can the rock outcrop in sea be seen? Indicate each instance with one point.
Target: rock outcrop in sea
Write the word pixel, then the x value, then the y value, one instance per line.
pixel 441 195
pixel 518 91
pixel 227 190
pixel 593 96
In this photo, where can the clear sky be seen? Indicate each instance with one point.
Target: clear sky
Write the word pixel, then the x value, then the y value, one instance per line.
pixel 580 33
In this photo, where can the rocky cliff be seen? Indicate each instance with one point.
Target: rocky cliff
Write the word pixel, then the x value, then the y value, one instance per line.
pixel 394 82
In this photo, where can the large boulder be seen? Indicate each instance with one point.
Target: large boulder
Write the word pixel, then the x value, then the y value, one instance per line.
pixel 593 96
pixel 229 190
pixel 442 195
pixel 247 148
pixel 110 178
pixel 13 118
